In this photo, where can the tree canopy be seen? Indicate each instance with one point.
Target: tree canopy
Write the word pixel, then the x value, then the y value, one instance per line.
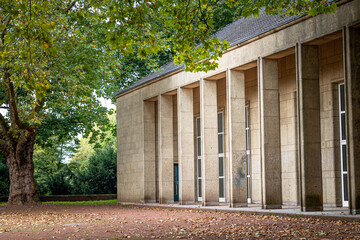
pixel 57 58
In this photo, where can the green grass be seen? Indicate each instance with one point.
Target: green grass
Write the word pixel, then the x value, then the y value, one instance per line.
pixel 84 203
pixel 2 203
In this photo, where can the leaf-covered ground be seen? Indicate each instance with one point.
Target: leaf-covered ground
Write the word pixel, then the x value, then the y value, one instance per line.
pixel 48 221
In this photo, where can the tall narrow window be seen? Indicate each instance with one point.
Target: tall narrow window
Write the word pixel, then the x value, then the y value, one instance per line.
pixel 344 172
pixel 221 157
pixel 247 152
pixel 198 159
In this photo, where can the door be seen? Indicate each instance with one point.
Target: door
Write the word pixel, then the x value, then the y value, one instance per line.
pixel 176 182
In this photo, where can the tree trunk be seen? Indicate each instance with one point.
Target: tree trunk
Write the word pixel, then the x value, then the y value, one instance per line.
pixel 23 188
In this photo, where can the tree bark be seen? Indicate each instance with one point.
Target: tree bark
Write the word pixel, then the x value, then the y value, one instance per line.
pixel 23 188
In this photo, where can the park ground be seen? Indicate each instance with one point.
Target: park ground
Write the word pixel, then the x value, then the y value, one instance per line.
pixel 111 221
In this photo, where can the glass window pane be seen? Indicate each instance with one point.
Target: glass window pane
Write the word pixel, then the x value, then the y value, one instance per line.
pixel 220 122
pixel 343 131
pixel 199 167
pixel 198 130
pixel 199 146
pixel 220 143
pixel 248 164
pixel 247 139
pixel 345 187
pixel 247 116
pixel 199 188
pixel 221 188
pixel 221 166
pixel 343 151
pixel 342 98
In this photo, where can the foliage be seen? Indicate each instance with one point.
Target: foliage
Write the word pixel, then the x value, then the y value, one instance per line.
pixel 91 170
pixel 99 177
pixel 83 153
pixel 84 203
pixel 54 66
pixel 62 169
pixel 149 27
pixel 51 174
pixel 4 176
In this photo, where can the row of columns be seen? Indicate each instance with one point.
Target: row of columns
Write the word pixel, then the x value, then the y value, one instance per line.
pixel 309 141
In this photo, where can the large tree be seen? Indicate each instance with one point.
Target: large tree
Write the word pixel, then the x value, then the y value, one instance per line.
pixel 57 57
pixel 54 66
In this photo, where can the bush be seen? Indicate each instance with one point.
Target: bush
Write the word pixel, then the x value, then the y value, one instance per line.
pixel 99 176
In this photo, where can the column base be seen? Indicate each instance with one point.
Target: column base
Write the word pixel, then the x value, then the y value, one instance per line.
pixel 278 206
pixel 312 209
pixel 186 202
pixel 354 211
pixel 167 202
pixel 210 204
pixel 238 205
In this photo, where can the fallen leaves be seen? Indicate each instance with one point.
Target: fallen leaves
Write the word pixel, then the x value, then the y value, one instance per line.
pixel 76 222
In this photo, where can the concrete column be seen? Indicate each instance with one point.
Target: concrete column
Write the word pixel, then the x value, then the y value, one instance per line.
pixel 235 92
pixel 352 109
pixel 209 143
pixel 309 128
pixel 270 134
pixel 166 157
pixel 186 145
pixel 149 152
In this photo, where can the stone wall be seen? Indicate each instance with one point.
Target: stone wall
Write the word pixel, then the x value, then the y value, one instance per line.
pixel 251 96
pixel 288 129
pixel 331 74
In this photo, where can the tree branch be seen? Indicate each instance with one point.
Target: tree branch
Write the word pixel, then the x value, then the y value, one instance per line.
pixel 25 138
pixel 70 6
pixel 12 103
pixel 4 31
pixel 39 105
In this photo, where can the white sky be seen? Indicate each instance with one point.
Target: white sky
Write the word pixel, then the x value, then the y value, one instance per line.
pixel 107 103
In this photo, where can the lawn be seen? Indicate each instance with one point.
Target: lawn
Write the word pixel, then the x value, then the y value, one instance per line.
pixel 107 220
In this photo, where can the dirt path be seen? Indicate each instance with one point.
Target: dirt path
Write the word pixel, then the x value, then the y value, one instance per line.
pixel 47 221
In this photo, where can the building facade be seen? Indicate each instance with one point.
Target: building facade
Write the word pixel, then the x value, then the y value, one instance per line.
pixel 278 122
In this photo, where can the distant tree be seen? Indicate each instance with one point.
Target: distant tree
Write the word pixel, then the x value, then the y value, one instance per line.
pixel 51 173
pixel 99 176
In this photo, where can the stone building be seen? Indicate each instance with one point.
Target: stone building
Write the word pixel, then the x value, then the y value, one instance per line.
pixel 277 123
